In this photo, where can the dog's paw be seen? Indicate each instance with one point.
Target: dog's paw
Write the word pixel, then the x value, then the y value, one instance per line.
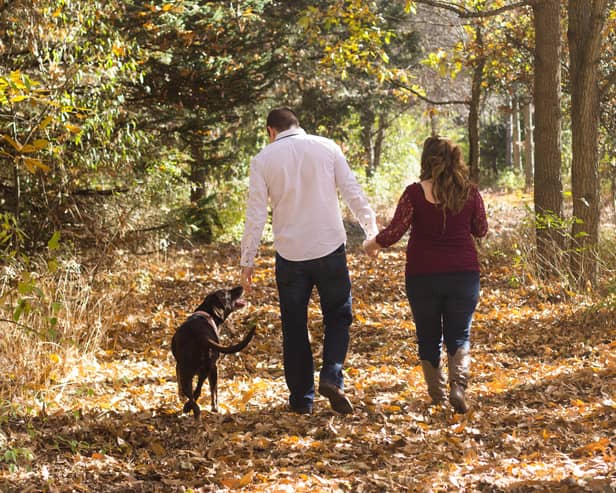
pixel 192 406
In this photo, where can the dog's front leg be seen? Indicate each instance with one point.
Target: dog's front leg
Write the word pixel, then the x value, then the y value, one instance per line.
pixel 213 379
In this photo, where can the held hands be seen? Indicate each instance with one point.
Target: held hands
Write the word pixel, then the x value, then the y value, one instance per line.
pixel 371 247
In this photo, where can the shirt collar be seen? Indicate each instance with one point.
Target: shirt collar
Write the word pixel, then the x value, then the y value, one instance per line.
pixel 290 133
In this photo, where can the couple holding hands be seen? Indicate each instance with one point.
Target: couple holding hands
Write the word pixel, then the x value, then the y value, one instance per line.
pixel 300 175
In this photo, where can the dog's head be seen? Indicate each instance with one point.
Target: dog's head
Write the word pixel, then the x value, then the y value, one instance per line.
pixel 220 304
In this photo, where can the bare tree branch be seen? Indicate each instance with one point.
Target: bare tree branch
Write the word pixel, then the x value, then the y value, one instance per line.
pixel 467 14
pixel 427 99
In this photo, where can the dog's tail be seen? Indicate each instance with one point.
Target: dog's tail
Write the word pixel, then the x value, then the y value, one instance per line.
pixel 231 349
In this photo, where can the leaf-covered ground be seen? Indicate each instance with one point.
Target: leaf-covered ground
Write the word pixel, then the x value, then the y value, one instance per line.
pixel 543 394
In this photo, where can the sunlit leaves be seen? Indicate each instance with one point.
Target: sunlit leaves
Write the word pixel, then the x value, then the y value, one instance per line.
pixel 506 44
pixel 350 34
pixel 441 62
pixel 541 387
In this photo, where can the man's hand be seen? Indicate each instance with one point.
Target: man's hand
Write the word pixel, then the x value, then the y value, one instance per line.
pixel 371 247
pixel 246 279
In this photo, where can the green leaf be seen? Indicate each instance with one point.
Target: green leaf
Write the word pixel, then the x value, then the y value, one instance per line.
pixel 19 310
pixel 52 265
pixel 54 242
pixel 25 287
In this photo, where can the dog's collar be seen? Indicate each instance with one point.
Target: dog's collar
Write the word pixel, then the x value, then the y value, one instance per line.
pixel 205 315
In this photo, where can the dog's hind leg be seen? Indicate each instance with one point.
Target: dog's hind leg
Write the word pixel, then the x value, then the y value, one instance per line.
pixel 200 379
pixel 213 379
pixel 179 381
pixel 185 384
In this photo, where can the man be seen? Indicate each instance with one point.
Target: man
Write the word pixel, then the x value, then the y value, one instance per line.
pixel 301 174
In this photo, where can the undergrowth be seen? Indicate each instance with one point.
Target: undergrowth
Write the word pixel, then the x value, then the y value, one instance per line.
pixel 51 314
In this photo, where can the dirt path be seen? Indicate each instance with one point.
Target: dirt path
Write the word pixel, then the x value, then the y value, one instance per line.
pixel 543 397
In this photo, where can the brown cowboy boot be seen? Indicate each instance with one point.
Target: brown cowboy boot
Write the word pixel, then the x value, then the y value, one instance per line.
pixel 459 366
pixel 435 380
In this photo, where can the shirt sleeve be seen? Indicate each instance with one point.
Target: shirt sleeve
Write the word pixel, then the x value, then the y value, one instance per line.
pixel 479 221
pixel 256 216
pixel 400 223
pixel 353 195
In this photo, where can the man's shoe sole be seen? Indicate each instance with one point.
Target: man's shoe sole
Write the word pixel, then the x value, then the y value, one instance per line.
pixel 301 410
pixel 337 400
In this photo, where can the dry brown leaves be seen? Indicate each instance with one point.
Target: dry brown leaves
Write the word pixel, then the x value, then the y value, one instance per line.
pixel 543 392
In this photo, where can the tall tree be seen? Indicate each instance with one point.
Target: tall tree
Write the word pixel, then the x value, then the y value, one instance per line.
pixel 529 145
pixel 548 161
pixel 483 53
pixel 62 124
pixel 586 21
pixel 473 113
pixel 357 51
pixel 203 62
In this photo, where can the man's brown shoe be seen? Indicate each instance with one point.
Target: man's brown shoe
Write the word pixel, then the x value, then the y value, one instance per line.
pixel 338 401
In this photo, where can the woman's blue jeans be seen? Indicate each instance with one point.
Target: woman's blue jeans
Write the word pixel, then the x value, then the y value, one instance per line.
pixel 295 282
pixel 443 307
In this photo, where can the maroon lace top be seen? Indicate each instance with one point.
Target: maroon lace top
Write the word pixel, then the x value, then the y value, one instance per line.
pixel 438 242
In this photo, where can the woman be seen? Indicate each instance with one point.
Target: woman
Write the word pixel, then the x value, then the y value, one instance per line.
pixel 443 211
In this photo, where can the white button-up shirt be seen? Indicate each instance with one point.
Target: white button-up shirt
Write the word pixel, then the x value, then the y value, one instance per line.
pixel 301 174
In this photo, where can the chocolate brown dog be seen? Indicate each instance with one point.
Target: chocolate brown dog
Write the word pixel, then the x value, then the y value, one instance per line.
pixel 196 347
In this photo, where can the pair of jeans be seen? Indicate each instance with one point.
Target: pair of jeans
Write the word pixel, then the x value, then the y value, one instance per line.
pixel 295 281
pixel 442 307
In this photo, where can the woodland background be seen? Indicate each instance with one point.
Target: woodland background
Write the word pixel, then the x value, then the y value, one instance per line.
pixel 126 131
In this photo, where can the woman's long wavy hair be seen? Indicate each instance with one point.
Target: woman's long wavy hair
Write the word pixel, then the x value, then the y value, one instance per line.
pixel 442 161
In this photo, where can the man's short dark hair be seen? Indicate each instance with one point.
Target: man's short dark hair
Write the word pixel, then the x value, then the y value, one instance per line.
pixel 282 119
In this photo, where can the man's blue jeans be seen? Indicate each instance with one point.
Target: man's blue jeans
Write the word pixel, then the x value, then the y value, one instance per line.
pixel 295 282
pixel 443 307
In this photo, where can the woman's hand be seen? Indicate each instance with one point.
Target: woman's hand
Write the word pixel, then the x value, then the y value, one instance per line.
pixel 371 247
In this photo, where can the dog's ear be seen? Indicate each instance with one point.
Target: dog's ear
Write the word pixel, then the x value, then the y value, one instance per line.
pixel 236 292
pixel 211 302
pixel 217 304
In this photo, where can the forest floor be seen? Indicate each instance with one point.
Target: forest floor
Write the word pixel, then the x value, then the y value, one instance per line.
pixel 543 393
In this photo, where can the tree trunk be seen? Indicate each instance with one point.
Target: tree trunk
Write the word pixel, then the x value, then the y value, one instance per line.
pixel 613 189
pixel 473 113
pixel 529 164
pixel 517 135
pixel 509 135
pixel 198 172
pixel 434 122
pixel 547 92
pixel 16 192
pixel 378 144
pixel 367 119
pixel 586 21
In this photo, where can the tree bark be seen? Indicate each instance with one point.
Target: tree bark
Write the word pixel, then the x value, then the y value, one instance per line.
pixel 517 135
pixel 198 171
pixel 529 163
pixel 435 126
pixel 509 135
pixel 367 119
pixel 473 113
pixel 547 92
pixel 16 192
pixel 378 144
pixel 586 21
pixel 613 186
